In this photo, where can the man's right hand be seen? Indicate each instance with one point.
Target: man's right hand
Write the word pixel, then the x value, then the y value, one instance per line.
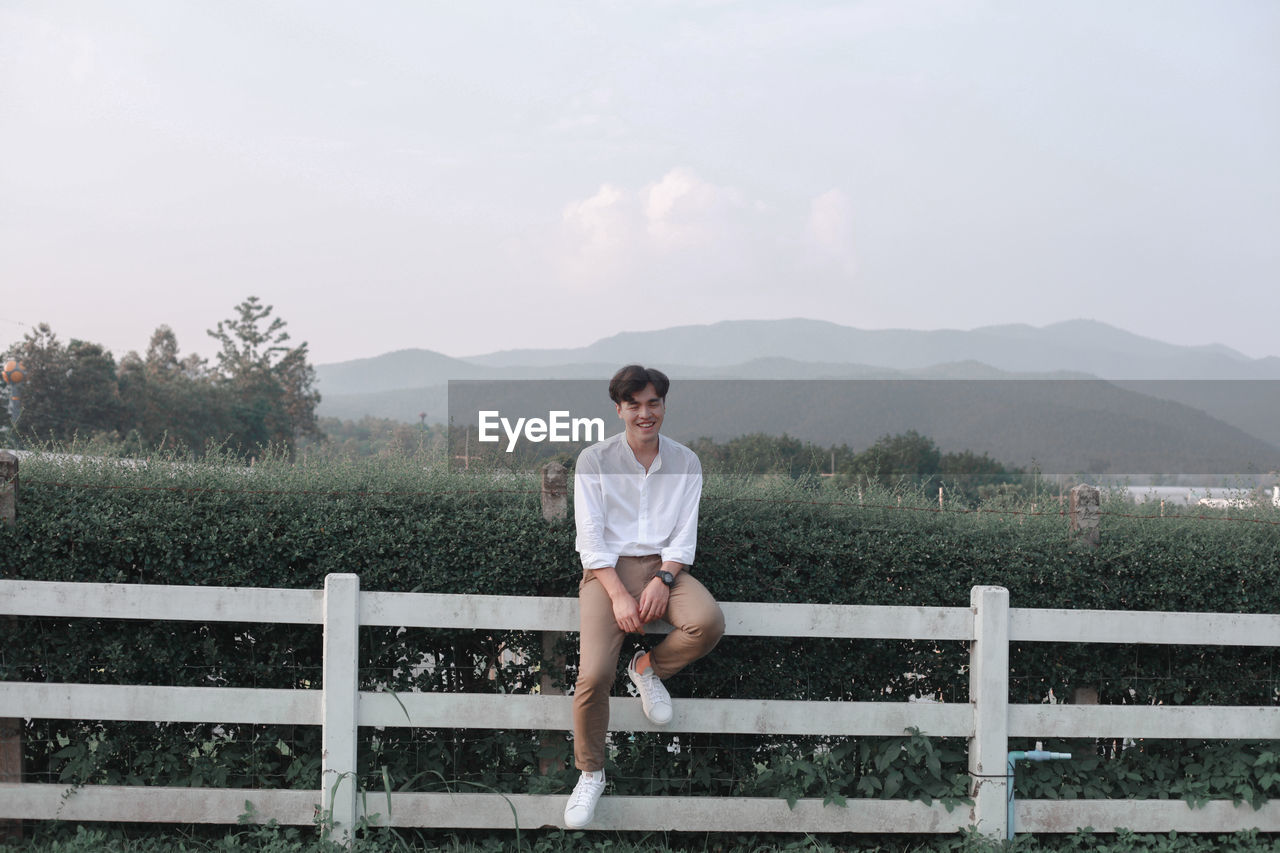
pixel 626 612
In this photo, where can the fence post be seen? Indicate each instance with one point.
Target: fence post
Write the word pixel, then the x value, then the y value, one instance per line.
pixel 555 509
pixel 10 727
pixel 1086 515
pixel 341 682
pixel 555 492
pixel 8 488
pixel 989 693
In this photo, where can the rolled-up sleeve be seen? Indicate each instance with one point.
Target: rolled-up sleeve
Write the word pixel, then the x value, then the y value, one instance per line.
pixel 684 536
pixel 588 513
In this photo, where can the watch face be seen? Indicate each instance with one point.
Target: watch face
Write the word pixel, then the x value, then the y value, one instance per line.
pixel 667 578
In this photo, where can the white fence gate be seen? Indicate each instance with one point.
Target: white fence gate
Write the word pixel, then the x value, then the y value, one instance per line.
pixel 988 720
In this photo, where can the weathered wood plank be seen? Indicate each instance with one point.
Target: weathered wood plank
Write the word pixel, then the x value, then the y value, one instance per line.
pixel 741 716
pixel 1161 816
pixel 155 804
pixel 424 610
pixel 476 811
pixel 667 814
pixel 300 606
pixel 690 814
pixel 1119 626
pixel 847 621
pixel 745 619
pixel 474 710
pixel 1145 721
pixel 159 704
pixel 160 602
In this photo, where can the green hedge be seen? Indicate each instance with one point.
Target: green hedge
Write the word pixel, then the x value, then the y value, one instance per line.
pixel 409 526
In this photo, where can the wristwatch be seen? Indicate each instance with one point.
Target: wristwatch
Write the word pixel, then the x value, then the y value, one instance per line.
pixel 667 578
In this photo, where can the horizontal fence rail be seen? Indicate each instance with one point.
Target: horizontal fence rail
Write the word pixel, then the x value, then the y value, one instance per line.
pixel 162 603
pixel 987 720
pixel 1122 626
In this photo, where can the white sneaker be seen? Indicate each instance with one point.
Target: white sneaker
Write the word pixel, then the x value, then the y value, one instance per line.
pixel 582 802
pixel 653 696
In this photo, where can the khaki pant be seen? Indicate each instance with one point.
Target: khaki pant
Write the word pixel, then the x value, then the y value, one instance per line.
pixel 691 611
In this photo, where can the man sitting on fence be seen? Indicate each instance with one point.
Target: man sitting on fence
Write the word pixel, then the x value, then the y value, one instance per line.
pixel 635 502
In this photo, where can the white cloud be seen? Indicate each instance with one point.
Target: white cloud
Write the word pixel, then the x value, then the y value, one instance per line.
pixel 600 234
pixel 683 211
pixel 679 218
pixel 831 226
pixel 704 243
pixel 599 218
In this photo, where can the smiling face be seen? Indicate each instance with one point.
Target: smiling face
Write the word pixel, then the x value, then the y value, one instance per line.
pixel 642 416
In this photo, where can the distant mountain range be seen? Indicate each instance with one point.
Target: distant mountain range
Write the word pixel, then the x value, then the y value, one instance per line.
pixel 1080 346
pixel 1220 395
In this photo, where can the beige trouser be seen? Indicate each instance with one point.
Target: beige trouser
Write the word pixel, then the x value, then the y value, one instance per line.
pixel 691 611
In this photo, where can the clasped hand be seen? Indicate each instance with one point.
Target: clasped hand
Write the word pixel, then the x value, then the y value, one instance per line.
pixel 632 615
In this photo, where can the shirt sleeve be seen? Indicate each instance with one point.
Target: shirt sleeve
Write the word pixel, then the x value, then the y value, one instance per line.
pixel 588 513
pixel 684 537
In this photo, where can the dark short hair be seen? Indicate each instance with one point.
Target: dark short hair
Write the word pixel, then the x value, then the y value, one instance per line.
pixel 632 378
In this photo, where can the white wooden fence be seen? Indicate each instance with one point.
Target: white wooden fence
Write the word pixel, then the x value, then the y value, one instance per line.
pixel 987 721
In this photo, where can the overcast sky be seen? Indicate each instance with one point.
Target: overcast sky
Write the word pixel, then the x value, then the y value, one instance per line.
pixel 467 177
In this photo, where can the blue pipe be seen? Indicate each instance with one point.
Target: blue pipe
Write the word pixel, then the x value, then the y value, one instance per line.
pixel 1036 754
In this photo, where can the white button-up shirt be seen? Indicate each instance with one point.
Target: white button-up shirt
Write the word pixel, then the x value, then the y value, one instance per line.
pixel 623 511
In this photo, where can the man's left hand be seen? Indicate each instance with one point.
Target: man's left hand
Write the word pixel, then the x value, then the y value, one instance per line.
pixel 653 600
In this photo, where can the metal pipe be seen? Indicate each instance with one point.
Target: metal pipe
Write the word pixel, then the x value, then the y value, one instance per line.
pixel 1037 754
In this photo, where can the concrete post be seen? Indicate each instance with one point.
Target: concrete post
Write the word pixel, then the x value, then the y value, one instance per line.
pixel 555 509
pixel 338 782
pixel 8 489
pixel 555 492
pixel 10 727
pixel 1086 515
pixel 989 694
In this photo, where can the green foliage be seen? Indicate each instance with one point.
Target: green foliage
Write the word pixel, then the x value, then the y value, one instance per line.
pixel 1195 771
pixel 259 395
pixel 902 767
pixel 69 389
pixel 273 382
pixel 374 437
pixel 760 454
pixel 904 463
pixel 407 524
pixel 172 403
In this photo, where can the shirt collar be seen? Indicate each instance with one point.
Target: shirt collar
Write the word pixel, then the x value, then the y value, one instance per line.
pixel 631 455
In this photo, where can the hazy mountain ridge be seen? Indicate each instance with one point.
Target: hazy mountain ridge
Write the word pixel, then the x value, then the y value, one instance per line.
pixel 1231 416
pixel 383 399
pixel 818 348
pixel 1084 346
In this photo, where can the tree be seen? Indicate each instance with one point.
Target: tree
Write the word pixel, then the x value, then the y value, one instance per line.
pixel 70 391
pixel 259 394
pixel 271 383
pixel 975 477
pixel 761 454
pixel 172 402
pixel 908 457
